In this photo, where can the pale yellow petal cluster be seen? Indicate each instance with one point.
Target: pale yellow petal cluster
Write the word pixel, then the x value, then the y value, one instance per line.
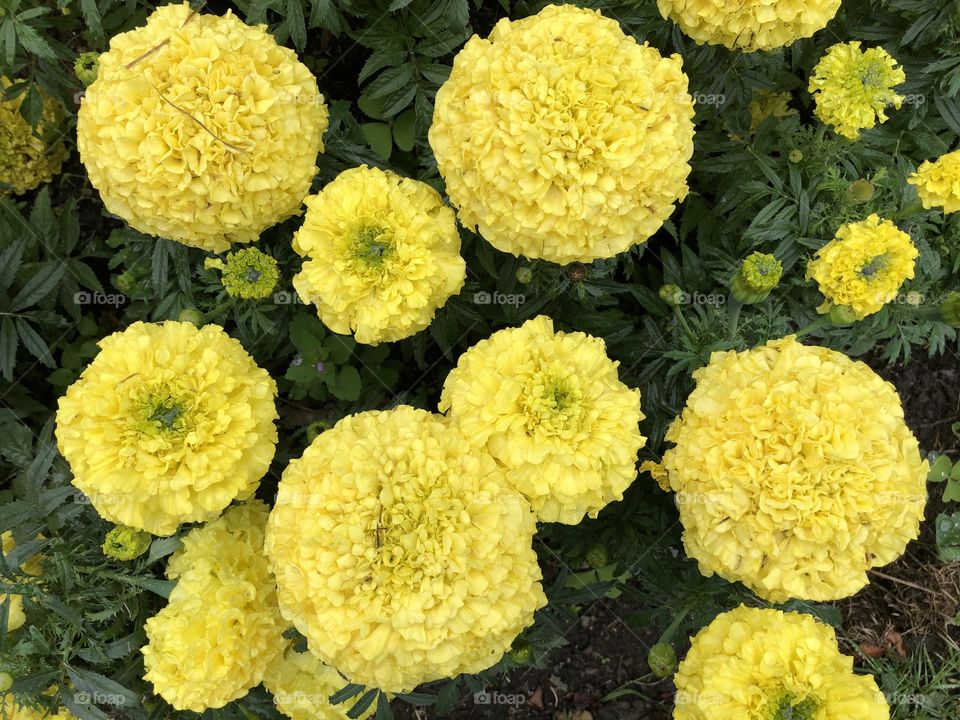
pixel 562 138
pixel 301 686
pixel 864 267
pixel 168 425
pixel 201 129
pixel 794 471
pixel 27 160
pixel 11 710
pixel 400 552
pixel 938 182
pixel 383 254
pixel 765 664
pixel 550 407
pixel 853 88
pixel 221 629
pixel 15 615
pixel 749 25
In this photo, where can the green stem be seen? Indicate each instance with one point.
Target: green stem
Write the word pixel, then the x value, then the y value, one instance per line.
pixel 733 309
pixel 683 322
pixel 816 325
pixel 674 625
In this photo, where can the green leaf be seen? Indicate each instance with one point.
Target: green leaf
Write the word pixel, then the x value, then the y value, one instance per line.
pixel 403 130
pixel 345 693
pixel 378 137
pixel 951 493
pixel 91 15
pixel 363 704
pixel 38 287
pixel 347 384
pixel 340 348
pixel 33 42
pixel 948 536
pixel 8 347
pixel 161 548
pixel 940 469
pixel 296 23
pixel 34 343
pixel 10 260
pixel 102 690
pixel 32 107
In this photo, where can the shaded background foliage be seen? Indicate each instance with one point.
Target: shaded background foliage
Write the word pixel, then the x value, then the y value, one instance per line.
pixel 71 274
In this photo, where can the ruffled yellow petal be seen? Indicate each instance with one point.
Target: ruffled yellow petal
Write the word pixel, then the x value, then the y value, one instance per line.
pixel 938 182
pixel 26 160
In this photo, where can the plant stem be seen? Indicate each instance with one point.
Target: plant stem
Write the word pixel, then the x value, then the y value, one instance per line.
pixel 815 325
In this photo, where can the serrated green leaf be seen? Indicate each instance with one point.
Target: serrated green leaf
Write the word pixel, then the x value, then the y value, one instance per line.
pixel 35 344
pixel 39 286
pixel 91 16
pixel 33 42
pixel 297 24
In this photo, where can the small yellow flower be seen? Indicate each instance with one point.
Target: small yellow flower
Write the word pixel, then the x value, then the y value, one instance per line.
pixel 11 710
pixel 794 471
pixel 168 425
pixel 853 88
pixel 759 663
pixel 559 137
pixel 26 160
pixel 749 25
pixel 301 686
pixel 767 104
pixel 201 129
pixel 248 274
pixel 756 277
pixel 550 407
pixel 938 182
pixel 383 254
pixel 400 552
pixel 221 628
pixel 126 543
pixel 15 615
pixel 864 267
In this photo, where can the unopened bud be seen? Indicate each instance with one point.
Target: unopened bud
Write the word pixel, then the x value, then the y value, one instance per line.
pixel 662 659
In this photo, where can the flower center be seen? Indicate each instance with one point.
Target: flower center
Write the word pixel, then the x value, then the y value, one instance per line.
pixel 164 414
pixel 552 406
pixel 873 267
pixel 253 275
pixel 789 708
pixel 372 246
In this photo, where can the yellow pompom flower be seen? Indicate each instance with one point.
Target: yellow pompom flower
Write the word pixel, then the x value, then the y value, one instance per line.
pixel 168 425
pixel 222 628
pixel 201 129
pixel 561 138
pixel 765 664
pixel 749 25
pixel 852 88
pixel 12 710
pixel 26 160
pixel 864 267
pixel 383 254
pixel 15 615
pixel 301 686
pixel 794 471
pixel 938 182
pixel 550 407
pixel 400 552
pixel 126 543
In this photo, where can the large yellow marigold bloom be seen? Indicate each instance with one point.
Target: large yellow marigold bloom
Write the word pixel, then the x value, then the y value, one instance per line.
pixel 794 471
pixel 550 407
pixel 864 266
pixel 383 254
pixel 559 137
pixel 938 182
pixel 26 160
pixel 749 25
pixel 400 553
pixel 167 425
pixel 222 628
pixel 764 664
pixel 201 129
pixel 301 686
pixel 852 88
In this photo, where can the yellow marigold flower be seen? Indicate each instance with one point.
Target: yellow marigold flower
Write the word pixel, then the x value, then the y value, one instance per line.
pixel 794 471
pixel 938 182
pixel 168 425
pixel 400 552
pixel 749 25
pixel 550 407
pixel 762 663
pixel 222 628
pixel 864 266
pixel 383 253
pixel 767 104
pixel 11 710
pixel 201 129
pixel 15 615
pixel 248 274
pixel 852 88
pixel 301 686
pixel 26 160
pixel 559 137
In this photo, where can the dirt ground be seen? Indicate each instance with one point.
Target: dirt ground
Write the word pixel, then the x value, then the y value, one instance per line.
pixel 594 676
